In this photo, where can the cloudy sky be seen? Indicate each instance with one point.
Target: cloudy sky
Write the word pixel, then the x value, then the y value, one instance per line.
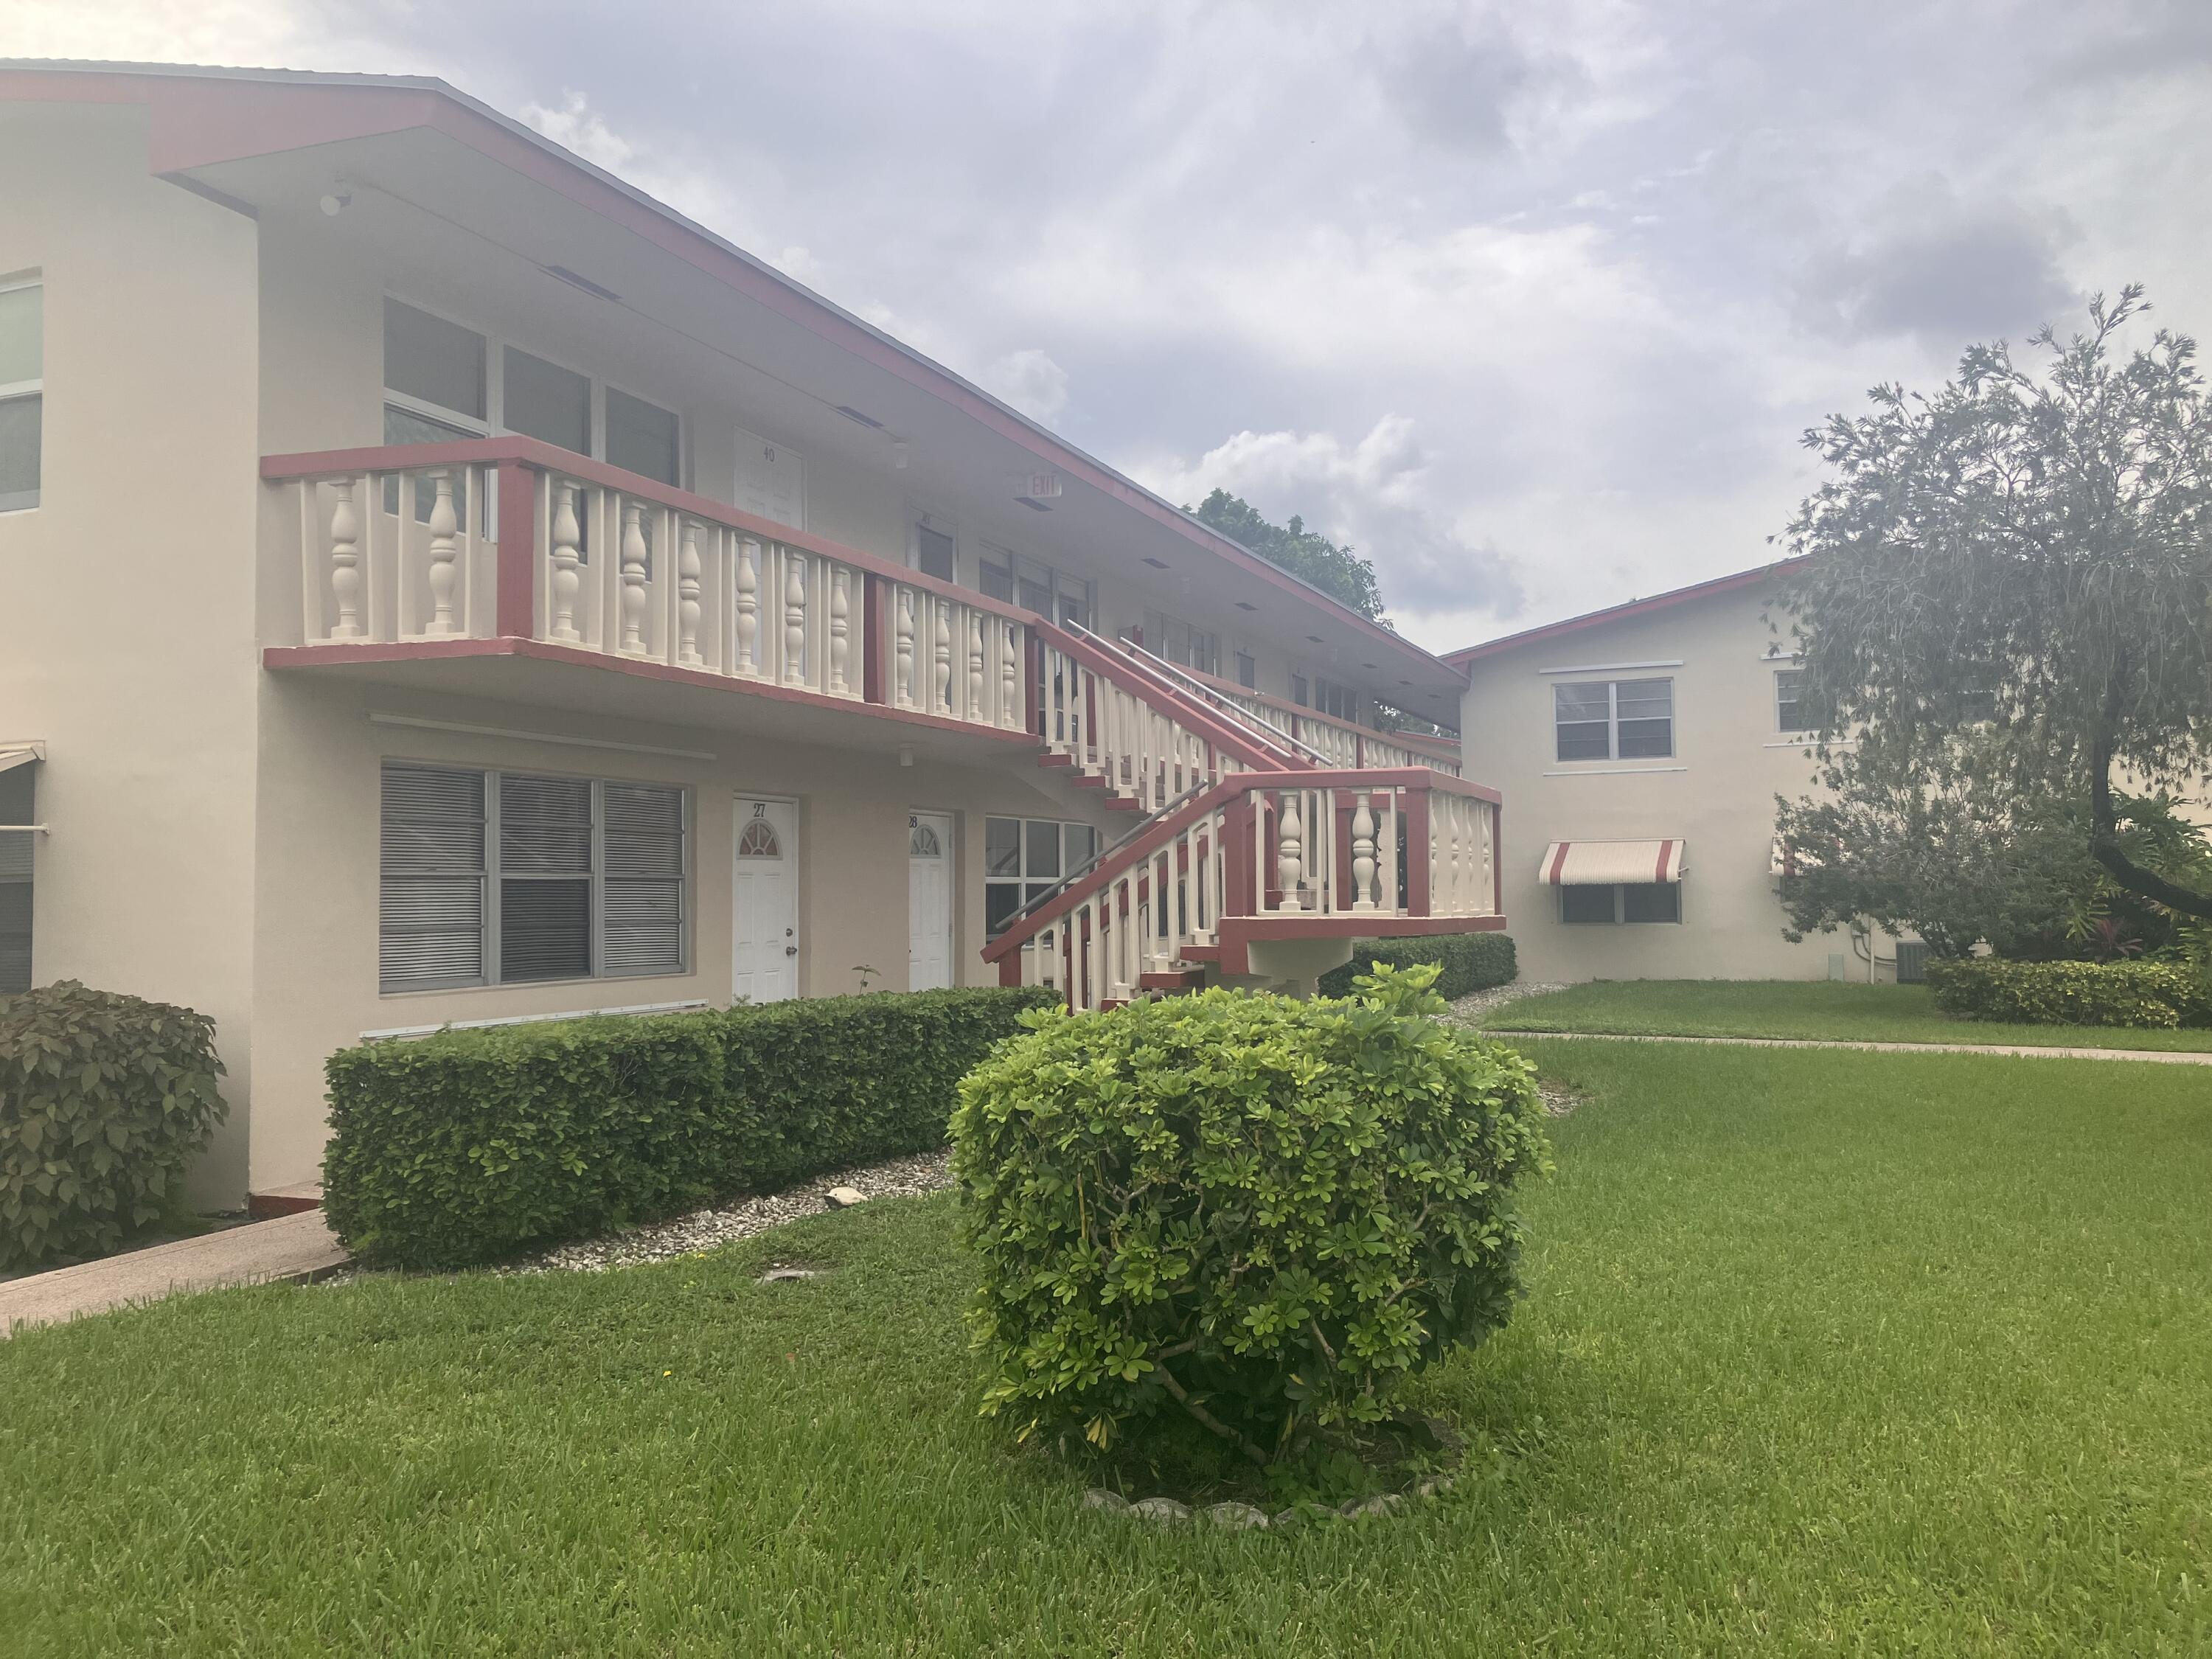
pixel 1531 303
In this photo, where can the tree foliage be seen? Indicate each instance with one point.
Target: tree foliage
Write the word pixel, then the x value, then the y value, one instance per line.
pixel 2005 603
pixel 1337 571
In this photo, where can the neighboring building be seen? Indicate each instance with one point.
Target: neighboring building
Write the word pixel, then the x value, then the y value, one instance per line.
pixel 443 585
pixel 1639 750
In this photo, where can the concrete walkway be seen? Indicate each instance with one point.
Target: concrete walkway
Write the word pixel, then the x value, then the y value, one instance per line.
pixel 2025 1050
pixel 294 1248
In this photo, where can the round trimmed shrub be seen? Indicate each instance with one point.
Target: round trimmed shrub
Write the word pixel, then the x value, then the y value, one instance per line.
pixel 1263 1213
pixel 105 1101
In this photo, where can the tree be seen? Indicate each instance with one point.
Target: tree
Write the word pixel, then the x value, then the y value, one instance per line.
pixel 2005 601
pixel 1337 571
pixel 1943 847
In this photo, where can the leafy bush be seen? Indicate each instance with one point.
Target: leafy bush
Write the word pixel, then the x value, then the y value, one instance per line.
pixel 1471 961
pixel 105 1101
pixel 1264 1211
pixel 2130 993
pixel 469 1146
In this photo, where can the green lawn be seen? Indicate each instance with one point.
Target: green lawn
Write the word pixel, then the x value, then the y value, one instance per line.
pixel 1797 1008
pixel 1825 1351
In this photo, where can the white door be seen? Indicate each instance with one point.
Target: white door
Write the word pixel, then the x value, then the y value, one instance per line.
pixel 764 956
pixel 928 902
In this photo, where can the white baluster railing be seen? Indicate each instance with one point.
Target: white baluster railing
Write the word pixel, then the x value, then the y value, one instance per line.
pixel 396 555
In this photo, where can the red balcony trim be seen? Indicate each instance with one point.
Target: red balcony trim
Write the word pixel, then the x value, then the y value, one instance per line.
pixel 875 639
pixel 1418 852
pixel 516 607
pixel 286 657
pixel 547 458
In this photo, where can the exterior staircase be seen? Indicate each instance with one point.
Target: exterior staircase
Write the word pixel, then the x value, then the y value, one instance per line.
pixel 1253 859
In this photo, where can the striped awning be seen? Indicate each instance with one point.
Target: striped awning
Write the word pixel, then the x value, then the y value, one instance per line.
pixel 1603 863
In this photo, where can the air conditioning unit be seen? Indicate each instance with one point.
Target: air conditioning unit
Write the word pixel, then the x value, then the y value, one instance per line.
pixel 1912 963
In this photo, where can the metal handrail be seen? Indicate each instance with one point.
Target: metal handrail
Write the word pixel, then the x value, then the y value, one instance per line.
pixel 1266 729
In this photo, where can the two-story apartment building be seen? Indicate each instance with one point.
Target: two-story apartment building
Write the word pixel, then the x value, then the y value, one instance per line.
pixel 441 584
pixel 1642 747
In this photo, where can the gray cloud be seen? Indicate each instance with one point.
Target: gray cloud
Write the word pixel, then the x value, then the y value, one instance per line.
pixel 1458 85
pixel 1943 270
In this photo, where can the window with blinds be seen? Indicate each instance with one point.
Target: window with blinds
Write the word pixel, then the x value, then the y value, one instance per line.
pixel 492 878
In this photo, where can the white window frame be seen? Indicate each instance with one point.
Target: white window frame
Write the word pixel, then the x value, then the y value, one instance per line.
pixel 1613 722
pixel 918 517
pixel 1023 881
pixel 1796 701
pixel 492 875
pixel 32 388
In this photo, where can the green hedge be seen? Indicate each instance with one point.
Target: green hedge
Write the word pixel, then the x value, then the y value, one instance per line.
pixel 1266 1212
pixel 1471 961
pixel 105 1101
pixel 472 1145
pixel 2130 994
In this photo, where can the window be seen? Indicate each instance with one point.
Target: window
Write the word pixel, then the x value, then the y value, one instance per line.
pixel 493 878
pixel 1248 671
pixel 544 401
pixel 1788 693
pixel 438 387
pixel 1338 702
pixel 1976 704
pixel 1034 586
pixel 439 365
pixel 1299 692
pixel 642 439
pixel 1021 859
pixel 1615 719
pixel 1179 643
pixel 933 552
pixel 1631 901
pixel 18 804
pixel 23 393
pixel 434 393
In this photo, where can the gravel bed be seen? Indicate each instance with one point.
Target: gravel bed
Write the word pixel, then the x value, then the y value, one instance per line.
pixel 1474 1005
pixel 704 1229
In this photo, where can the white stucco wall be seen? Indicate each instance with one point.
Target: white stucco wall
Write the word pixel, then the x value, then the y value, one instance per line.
pixel 127 595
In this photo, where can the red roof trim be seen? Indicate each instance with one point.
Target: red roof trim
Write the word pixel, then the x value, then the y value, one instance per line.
pixel 1467 654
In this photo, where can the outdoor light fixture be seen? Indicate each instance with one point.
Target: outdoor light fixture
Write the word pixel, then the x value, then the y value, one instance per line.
pixel 906 754
pixel 335 203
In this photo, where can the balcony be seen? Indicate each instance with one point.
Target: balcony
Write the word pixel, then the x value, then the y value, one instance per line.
pixel 506 547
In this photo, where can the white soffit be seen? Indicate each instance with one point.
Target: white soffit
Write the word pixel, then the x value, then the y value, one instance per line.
pixel 1604 863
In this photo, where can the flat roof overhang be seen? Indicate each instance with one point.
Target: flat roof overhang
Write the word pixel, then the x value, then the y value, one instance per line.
pixel 536 676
